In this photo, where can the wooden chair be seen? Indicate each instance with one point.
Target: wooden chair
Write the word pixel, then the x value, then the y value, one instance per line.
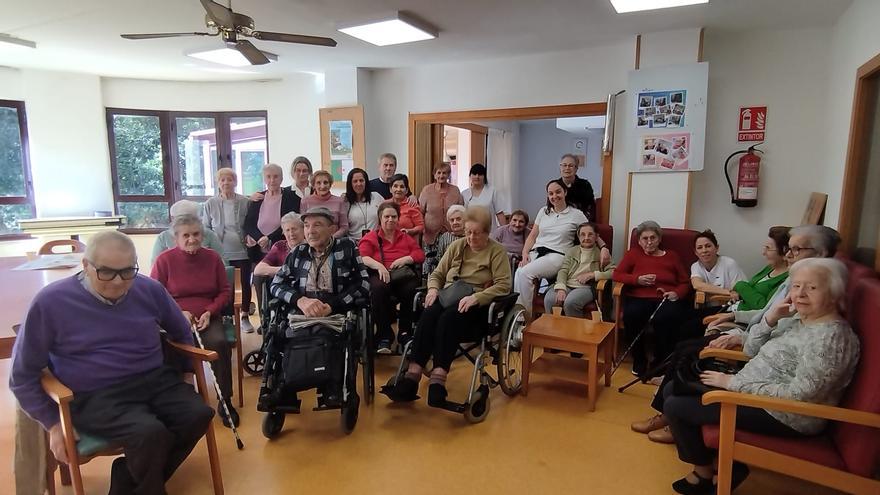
pixel 680 241
pixel 88 447
pixel 846 455
pixel 606 233
pixel 74 245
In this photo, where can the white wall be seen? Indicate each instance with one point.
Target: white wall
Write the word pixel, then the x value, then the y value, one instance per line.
pixel 581 76
pixel 291 104
pixel 541 144
pixel 855 39
pixel 788 72
pixel 67 142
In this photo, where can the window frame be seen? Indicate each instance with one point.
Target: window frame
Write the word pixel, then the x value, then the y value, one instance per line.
pixel 170 159
pixel 28 198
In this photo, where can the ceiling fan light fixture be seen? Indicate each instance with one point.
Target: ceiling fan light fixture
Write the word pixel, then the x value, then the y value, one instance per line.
pixel 624 6
pixel 394 29
pixel 226 56
pixel 13 42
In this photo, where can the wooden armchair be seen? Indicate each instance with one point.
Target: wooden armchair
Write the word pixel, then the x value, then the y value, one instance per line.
pixel 606 233
pixel 74 245
pixel 701 298
pixel 233 332
pixel 846 455
pixel 88 447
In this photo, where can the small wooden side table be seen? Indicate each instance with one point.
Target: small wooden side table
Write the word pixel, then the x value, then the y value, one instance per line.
pixel 571 335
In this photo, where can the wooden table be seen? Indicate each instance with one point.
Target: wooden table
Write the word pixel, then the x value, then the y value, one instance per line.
pixel 17 290
pixel 572 335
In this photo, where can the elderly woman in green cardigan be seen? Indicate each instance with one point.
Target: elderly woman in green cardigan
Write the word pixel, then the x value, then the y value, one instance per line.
pixel 576 280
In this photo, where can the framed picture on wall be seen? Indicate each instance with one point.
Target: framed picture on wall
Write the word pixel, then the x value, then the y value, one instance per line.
pixel 342 140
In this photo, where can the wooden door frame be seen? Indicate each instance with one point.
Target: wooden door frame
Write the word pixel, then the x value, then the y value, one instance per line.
pixel 853 193
pixel 521 113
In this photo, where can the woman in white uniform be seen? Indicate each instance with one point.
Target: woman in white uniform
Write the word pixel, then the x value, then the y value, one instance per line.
pixel 553 234
pixel 482 194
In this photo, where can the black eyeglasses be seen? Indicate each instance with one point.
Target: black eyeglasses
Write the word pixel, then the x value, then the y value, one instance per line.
pixel 107 274
pixel 796 250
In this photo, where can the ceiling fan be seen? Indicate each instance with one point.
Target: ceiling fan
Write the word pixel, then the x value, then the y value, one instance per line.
pixel 231 26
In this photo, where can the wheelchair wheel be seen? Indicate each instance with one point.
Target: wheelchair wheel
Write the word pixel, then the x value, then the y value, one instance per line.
pixel 477 410
pixel 253 362
pixel 272 424
pixel 509 360
pixel 350 413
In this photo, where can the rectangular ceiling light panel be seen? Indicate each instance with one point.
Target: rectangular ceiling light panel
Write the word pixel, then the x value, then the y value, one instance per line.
pixel 624 6
pixel 392 30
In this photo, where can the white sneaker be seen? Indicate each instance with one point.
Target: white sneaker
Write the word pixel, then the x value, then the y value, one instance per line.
pixel 246 326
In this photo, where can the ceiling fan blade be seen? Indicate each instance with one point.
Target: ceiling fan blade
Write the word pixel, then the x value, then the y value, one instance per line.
pixel 251 53
pixel 293 38
pixel 221 15
pixel 150 36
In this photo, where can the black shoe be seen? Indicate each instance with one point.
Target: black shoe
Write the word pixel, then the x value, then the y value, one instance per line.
pixel 232 412
pixel 639 368
pixel 406 390
pixel 703 487
pixel 403 338
pixel 437 395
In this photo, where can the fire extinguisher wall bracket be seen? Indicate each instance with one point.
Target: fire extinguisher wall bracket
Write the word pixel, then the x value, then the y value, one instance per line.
pixel 746 194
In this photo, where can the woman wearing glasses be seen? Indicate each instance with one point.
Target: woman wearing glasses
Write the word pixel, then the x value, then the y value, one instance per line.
pixel 196 279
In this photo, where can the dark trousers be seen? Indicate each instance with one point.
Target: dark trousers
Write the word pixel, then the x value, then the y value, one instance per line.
pixel 686 416
pixel 214 338
pixel 383 309
pixel 686 349
pixel 156 417
pixel 692 327
pixel 637 312
pixel 246 267
pixel 441 329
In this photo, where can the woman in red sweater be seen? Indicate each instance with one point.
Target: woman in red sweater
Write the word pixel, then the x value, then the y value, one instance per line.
pixel 652 274
pixel 196 279
pixel 385 250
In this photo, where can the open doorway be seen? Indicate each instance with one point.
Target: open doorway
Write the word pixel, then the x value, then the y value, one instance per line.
pixel 521 148
pixel 859 221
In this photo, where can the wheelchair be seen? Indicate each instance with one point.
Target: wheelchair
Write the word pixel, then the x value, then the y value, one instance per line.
pixel 500 343
pixel 317 356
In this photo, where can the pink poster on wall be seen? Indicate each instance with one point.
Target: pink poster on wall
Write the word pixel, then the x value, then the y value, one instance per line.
pixel 664 152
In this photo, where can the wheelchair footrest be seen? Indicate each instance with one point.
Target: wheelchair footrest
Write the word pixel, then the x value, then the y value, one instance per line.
pixel 452 406
pixel 323 407
pixel 290 409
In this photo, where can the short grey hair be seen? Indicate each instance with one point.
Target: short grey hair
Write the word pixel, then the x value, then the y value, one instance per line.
pixel 835 273
pixel 108 238
pixel 273 167
pixel 649 225
pixel 292 217
pixel 184 207
pixel 824 240
pixel 184 221
pixel 456 209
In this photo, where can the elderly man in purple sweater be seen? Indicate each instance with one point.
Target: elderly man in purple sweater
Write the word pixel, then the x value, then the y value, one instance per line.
pixel 98 332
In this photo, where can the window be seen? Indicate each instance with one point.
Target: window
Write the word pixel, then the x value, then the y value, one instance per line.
pixel 161 157
pixel 16 188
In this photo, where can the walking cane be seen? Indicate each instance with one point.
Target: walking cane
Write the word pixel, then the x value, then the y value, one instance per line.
pixel 637 337
pixel 238 441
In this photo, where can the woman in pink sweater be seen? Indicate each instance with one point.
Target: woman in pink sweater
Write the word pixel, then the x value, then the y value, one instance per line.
pixel 322 181
pixel 652 275
pixel 196 279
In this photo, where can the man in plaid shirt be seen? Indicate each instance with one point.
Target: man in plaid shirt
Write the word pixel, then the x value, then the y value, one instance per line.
pixel 322 276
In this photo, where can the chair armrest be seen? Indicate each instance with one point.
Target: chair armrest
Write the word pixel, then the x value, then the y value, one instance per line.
pixel 719 298
pixel 793 406
pixel 731 354
pixel 193 352
pixel 54 388
pixel 617 289
pixel 699 298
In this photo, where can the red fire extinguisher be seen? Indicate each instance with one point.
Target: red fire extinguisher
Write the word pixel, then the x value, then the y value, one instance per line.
pixel 746 193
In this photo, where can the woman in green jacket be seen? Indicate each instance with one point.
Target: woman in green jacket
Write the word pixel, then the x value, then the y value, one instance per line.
pixel 755 293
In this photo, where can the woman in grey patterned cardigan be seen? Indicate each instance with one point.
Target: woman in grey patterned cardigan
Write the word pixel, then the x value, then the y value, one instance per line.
pixel 803 350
